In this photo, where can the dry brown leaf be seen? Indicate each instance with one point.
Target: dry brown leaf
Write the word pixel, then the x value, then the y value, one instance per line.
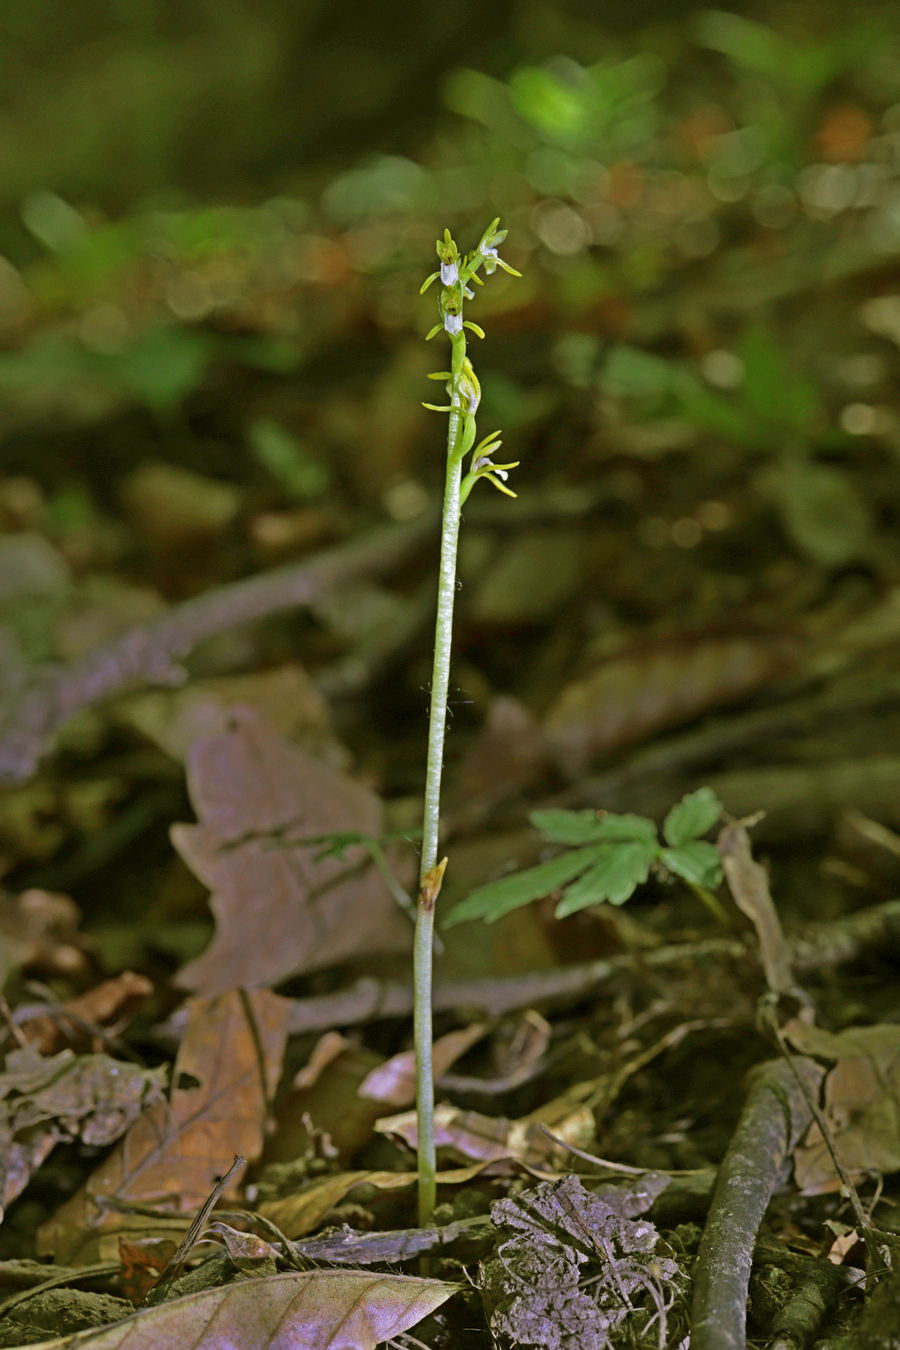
pixel 109 1005
pixel 632 696
pixel 571 1116
pixel 318 1310
pixel 173 507
pixel 225 1074
pixel 278 911
pixel 39 929
pixel 508 754
pixel 749 884
pixel 246 1250
pixel 393 1083
pixel 297 1215
pixel 45 1101
pixel 329 1108
pixel 142 1260
pixel 174 719
pixel 469 1134
pixel 326 1050
pixel 861 1103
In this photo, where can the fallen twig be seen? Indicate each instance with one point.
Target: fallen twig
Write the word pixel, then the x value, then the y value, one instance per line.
pixel 774 1119
pixel 150 653
pixel 817 946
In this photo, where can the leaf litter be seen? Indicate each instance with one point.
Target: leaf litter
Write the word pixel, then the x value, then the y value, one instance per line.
pixel 700 589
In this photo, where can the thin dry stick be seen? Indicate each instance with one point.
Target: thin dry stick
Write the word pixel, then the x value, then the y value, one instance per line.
pixel 157 1291
pixel 150 653
pixel 816 947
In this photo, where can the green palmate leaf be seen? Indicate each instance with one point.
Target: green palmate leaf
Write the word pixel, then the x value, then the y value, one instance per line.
pixel 566 827
pixel 620 829
pixel 613 876
pixel 696 861
pixel 496 898
pixel 583 827
pixel 696 813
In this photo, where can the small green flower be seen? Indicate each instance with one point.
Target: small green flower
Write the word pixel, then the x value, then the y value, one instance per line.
pixel 487 250
pixel 450 310
pixel 469 386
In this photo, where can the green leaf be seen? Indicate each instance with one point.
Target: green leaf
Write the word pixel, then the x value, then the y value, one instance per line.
pixel 765 370
pixel 696 861
pixel 553 106
pixel 161 367
pixel 696 813
pixel 623 828
pixel 822 512
pixel 496 898
pixel 618 869
pixel 583 827
pixel 630 372
pixel 287 459
pixel 745 42
pixel 720 415
pixel 772 390
pixel 567 827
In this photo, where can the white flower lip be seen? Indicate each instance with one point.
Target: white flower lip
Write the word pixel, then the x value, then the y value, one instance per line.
pixel 449 273
pixel 453 324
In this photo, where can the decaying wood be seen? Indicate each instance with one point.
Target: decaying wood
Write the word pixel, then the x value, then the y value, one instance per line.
pixel 150 653
pixel 774 1119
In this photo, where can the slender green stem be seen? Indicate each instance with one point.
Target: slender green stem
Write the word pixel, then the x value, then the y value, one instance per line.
pixel 443 632
pixel 456 273
pixel 440 686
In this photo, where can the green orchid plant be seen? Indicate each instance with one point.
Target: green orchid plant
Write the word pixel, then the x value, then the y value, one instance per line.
pixel 464 392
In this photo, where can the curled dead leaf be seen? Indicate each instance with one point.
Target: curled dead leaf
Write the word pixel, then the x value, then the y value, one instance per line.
pixel 226 1072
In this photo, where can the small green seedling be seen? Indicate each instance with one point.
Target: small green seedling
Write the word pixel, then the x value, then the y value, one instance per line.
pixel 609 857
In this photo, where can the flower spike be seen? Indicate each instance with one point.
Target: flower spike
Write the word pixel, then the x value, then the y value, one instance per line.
pixel 458 275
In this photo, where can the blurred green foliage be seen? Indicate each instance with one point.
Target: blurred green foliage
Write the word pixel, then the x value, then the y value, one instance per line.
pixel 185 210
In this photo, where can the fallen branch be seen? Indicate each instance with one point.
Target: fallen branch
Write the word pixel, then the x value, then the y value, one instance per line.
pixel 774 1119
pixel 151 653
pixel 818 946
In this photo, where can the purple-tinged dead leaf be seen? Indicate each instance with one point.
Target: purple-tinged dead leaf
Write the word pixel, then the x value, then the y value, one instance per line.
pixel 318 1310
pixel 393 1083
pixel 279 912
